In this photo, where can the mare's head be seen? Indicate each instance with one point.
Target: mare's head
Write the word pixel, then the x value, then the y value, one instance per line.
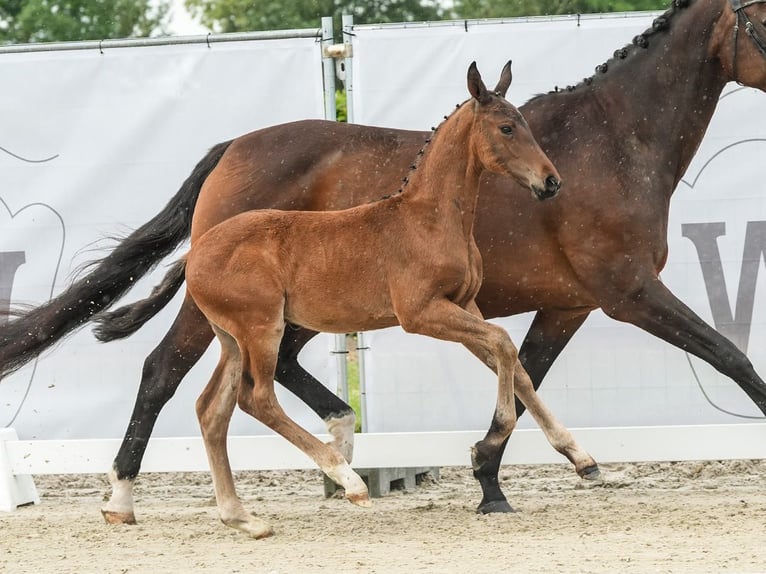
pixel 503 140
pixel 739 40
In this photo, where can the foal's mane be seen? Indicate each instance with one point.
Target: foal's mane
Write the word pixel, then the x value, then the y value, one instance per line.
pixel 416 162
pixel 639 42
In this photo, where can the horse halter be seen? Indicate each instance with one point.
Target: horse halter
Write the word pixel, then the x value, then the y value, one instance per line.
pixel 738 6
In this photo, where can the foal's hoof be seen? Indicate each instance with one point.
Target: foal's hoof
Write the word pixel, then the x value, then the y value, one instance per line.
pixel 362 499
pixel 494 506
pixel 590 473
pixel 112 517
pixel 254 527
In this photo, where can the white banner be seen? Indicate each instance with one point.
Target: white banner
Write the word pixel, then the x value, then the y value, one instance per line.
pixel 94 144
pixel 611 374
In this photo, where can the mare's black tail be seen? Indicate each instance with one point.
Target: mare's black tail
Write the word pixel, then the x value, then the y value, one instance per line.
pixel 29 333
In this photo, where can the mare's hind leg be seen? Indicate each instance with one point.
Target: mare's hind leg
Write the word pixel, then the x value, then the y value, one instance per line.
pixel 337 415
pixel 257 398
pixel 214 409
pixel 164 368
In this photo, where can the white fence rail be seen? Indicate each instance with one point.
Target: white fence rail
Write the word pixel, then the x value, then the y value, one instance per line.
pixel 21 458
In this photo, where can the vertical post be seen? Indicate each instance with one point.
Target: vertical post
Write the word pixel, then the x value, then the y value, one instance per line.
pixel 361 351
pixel 328 70
pixel 15 490
pixel 341 366
pixel 348 27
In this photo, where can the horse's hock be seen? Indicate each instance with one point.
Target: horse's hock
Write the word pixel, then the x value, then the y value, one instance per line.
pixel 381 481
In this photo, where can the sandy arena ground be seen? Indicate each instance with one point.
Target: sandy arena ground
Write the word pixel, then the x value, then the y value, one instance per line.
pixel 651 517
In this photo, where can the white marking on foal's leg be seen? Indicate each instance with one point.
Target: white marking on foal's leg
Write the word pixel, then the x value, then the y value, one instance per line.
pixel 352 483
pixel 234 515
pixel 119 508
pixel 342 431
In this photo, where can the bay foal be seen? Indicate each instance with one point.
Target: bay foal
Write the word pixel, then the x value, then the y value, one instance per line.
pixel 408 259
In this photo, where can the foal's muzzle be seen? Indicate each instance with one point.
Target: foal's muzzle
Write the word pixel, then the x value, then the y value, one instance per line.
pixel 552 186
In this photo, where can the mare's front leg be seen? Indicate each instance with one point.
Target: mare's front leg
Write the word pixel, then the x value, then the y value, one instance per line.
pixel 214 409
pixel 652 307
pixel 548 334
pixel 164 368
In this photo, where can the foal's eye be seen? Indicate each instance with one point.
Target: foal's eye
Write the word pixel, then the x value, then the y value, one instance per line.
pixel 507 130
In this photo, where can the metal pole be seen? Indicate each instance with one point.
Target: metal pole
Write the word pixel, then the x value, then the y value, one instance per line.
pixel 361 350
pixel 361 347
pixel 341 354
pixel 348 28
pixel 328 69
pixel 109 44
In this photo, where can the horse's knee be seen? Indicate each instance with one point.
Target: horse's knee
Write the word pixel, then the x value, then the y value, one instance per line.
pixel 502 346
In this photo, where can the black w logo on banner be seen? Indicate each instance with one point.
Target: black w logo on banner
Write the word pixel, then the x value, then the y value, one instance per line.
pixel 735 326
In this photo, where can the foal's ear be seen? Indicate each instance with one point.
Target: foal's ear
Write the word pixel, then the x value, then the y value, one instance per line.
pixel 476 86
pixel 505 80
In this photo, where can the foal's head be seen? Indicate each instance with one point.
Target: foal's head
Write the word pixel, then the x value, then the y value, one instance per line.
pixel 503 140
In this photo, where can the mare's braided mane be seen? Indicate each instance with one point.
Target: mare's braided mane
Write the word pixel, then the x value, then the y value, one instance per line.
pixel 640 42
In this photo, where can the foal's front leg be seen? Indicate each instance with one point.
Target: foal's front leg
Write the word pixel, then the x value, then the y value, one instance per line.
pixel 486 451
pixel 556 433
pixel 445 320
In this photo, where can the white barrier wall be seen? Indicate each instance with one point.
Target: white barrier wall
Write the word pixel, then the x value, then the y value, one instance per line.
pixel 94 143
pixel 611 374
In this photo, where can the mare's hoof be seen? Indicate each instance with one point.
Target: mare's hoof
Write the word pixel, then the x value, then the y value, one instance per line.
pixel 112 517
pixel 495 506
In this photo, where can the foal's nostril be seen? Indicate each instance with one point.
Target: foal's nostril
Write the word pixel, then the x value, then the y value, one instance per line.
pixel 552 184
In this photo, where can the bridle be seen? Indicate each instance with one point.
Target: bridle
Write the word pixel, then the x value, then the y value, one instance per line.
pixel 738 6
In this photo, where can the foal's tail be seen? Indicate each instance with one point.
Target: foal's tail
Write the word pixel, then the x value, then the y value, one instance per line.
pixel 29 333
pixel 126 320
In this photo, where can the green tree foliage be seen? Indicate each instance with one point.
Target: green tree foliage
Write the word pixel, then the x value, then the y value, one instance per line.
pixel 245 15
pixel 510 8
pixel 63 20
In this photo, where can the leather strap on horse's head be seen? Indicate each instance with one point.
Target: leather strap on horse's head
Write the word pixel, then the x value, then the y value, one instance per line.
pixel 738 6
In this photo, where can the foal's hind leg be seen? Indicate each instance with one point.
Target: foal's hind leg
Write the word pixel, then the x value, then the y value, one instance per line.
pixel 257 398
pixel 214 409
pixel 336 414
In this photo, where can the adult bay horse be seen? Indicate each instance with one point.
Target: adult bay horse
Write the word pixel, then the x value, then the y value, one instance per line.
pixel 416 264
pixel 600 245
